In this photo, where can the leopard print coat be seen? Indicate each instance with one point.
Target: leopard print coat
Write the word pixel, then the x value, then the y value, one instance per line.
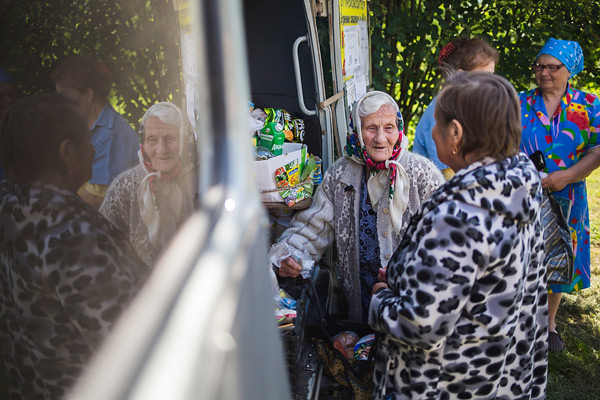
pixel 65 276
pixel 333 216
pixel 465 315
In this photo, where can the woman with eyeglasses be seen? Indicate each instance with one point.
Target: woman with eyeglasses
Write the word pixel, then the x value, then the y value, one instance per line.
pixel 563 123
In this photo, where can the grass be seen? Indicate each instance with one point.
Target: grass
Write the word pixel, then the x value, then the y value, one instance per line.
pixel 575 372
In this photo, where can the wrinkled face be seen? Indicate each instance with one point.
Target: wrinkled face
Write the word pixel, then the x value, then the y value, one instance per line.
pixel 380 133
pixel 551 81
pixel 161 144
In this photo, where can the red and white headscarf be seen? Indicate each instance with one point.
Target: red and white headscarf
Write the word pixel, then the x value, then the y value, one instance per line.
pixel 387 177
pixel 147 193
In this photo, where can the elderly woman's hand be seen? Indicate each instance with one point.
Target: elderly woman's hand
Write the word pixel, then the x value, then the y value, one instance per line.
pixel 377 286
pixel 382 276
pixel 555 181
pixel 289 268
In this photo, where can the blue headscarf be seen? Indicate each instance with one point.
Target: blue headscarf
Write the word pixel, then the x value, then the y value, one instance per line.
pixel 566 51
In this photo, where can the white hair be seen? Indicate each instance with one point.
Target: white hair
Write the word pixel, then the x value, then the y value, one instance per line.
pixel 368 104
pixel 169 114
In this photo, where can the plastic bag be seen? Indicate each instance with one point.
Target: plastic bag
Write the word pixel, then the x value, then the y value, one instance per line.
pixel 559 259
pixel 281 250
pixel 344 342
pixel 274 287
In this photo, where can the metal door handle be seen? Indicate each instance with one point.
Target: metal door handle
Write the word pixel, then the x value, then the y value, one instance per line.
pixel 299 77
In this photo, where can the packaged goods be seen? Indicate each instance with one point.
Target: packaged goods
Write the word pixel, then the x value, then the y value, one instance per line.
pixel 293 172
pixel 286 301
pixel 318 176
pixel 362 348
pixel 295 193
pixel 272 137
pixel 274 115
pixel 266 170
pixel 288 126
pixel 262 153
pixel 309 167
pixel 298 130
pixel 293 129
pixel 259 115
pixel 281 178
pixel 285 314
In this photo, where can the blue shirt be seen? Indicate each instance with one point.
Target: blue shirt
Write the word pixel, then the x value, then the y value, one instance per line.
pixel 116 146
pixel 424 143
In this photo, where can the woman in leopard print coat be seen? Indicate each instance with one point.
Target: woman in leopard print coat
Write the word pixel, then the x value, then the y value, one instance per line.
pixel 65 272
pixel 464 310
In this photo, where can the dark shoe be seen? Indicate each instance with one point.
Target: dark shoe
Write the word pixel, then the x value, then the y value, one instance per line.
pixel 555 342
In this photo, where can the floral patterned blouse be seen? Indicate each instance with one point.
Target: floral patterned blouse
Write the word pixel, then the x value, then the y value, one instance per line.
pixel 564 138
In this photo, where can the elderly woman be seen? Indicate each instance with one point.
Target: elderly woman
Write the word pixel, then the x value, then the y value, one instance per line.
pixel 150 201
pixel 364 203
pixel 562 122
pixel 65 272
pixel 461 54
pixel 464 310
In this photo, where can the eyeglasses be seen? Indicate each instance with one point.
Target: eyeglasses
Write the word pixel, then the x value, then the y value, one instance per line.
pixel 551 68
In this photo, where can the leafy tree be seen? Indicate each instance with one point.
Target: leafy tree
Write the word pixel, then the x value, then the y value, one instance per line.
pixel 407 36
pixel 137 39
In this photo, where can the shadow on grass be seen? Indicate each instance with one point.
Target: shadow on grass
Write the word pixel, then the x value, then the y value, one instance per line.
pixel 575 372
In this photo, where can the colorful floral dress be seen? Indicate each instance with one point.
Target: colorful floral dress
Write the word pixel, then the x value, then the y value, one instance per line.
pixel 564 139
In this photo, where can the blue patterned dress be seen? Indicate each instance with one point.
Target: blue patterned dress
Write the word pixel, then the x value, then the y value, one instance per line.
pixel 564 139
pixel 368 249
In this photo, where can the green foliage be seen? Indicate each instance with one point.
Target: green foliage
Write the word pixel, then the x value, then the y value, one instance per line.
pixel 408 35
pixel 137 39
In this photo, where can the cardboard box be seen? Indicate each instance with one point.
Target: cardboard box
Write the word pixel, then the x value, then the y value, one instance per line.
pixel 265 170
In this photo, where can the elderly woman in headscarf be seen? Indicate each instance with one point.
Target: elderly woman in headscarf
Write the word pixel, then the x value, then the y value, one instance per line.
pixel 364 203
pixel 152 200
pixel 563 123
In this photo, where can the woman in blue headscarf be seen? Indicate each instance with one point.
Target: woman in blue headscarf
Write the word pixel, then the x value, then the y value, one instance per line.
pixel 563 123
